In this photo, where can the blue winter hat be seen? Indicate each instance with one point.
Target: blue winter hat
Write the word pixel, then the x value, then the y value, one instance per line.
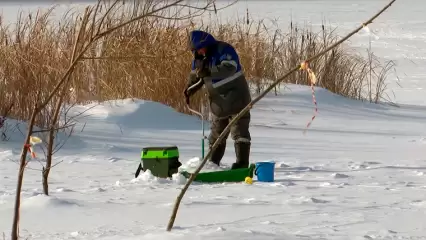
pixel 199 39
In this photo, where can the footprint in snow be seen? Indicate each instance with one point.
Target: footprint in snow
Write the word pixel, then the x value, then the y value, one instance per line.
pixel 421 140
pixel 363 165
pixel 325 184
pixel 221 197
pixel 339 175
pixel 317 200
pixel 64 190
pixel 282 165
pixel 114 159
pixel 359 167
pixel 268 223
pixel 287 183
pixel 419 203
pixel 407 184
pixel 302 200
pixel 98 189
pixel 302 169
pixel 254 201
pixel 328 184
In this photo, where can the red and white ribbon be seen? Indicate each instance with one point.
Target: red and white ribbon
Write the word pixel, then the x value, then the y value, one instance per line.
pixel 313 80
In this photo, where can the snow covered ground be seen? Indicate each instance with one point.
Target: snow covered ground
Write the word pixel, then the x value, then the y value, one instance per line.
pixel 358 173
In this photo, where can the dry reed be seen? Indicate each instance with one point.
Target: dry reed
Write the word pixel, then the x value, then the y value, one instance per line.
pixel 148 59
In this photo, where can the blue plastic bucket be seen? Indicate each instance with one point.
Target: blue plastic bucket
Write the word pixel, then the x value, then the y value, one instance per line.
pixel 265 171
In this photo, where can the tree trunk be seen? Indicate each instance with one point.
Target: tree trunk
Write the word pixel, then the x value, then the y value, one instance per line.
pixel 46 169
pixel 45 176
pixel 22 165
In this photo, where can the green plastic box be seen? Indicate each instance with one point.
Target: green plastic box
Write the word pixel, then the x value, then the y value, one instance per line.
pixel 163 162
pixel 233 175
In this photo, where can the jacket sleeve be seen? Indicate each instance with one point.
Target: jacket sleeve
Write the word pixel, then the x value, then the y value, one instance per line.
pixel 228 65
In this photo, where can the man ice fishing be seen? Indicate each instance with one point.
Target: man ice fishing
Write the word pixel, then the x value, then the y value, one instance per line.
pixel 216 65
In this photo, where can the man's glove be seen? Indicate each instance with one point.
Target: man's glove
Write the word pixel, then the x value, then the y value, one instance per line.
pixel 191 89
pixel 198 56
pixel 204 72
pixel 201 64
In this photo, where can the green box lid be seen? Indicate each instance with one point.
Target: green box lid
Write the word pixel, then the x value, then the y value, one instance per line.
pixel 160 152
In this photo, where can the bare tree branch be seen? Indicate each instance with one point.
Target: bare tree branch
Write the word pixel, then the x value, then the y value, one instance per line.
pixel 54 129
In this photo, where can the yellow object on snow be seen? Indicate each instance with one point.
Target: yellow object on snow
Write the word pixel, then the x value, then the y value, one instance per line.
pixel 248 180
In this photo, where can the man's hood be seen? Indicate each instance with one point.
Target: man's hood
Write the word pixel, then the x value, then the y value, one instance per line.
pixel 199 39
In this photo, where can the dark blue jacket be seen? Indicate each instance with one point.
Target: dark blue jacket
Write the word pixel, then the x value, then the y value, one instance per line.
pixel 227 87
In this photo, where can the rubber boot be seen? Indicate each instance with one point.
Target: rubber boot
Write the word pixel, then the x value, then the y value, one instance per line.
pixel 242 151
pixel 217 154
